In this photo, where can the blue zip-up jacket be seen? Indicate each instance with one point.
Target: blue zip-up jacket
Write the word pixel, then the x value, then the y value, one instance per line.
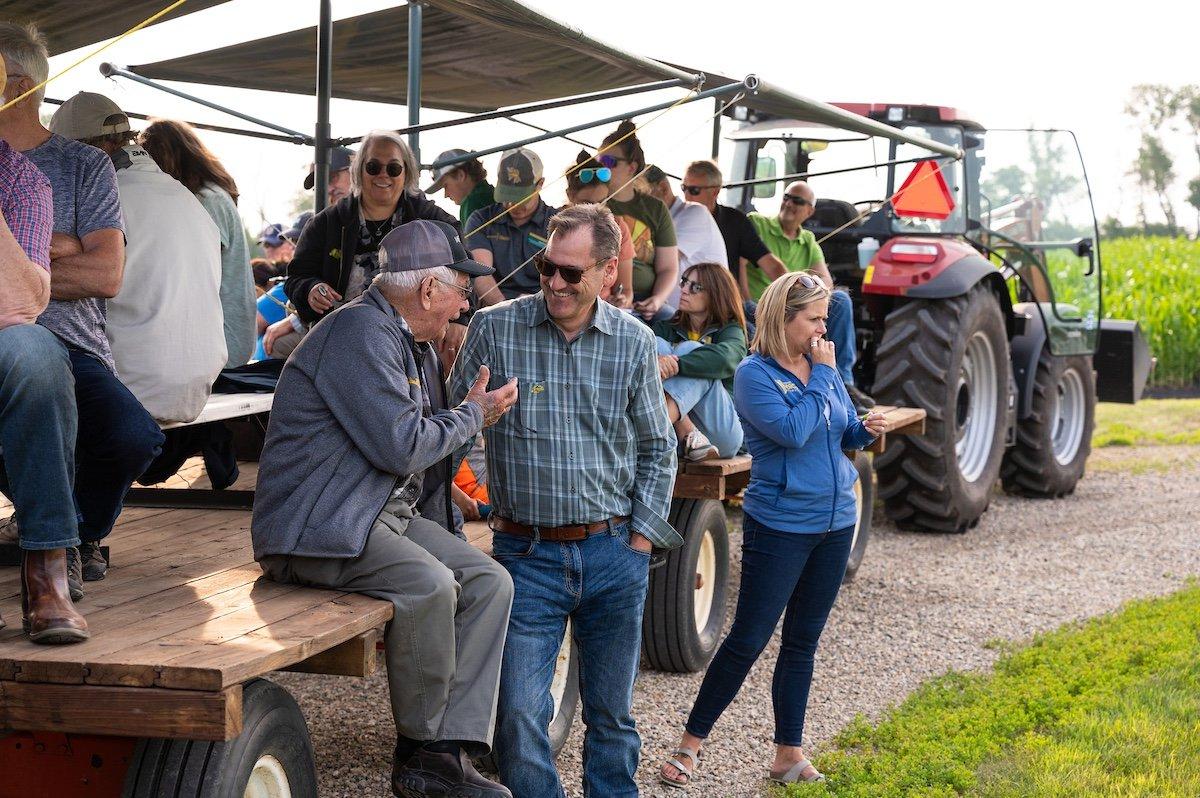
pixel 800 480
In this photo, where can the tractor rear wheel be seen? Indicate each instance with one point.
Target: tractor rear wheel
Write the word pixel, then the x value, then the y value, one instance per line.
pixel 950 357
pixel 864 498
pixel 1054 441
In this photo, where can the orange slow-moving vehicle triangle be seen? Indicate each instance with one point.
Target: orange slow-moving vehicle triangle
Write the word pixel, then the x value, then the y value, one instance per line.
pixel 924 194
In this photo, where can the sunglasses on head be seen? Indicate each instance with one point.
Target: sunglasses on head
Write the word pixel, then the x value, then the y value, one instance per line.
pixel 799 202
pixel 612 160
pixel 690 286
pixel 601 175
pixel 695 190
pixel 374 167
pixel 572 275
pixel 807 282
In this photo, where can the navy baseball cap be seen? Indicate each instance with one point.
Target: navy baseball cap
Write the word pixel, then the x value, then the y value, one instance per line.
pixel 339 159
pixel 297 227
pixel 426 244
pixel 271 235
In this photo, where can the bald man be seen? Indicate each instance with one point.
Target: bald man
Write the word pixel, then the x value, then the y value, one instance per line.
pixel 798 249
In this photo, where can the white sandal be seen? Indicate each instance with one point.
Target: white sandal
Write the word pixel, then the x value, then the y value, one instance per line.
pixel 792 776
pixel 684 770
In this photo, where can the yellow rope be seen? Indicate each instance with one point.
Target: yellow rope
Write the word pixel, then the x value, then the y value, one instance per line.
pixel 95 52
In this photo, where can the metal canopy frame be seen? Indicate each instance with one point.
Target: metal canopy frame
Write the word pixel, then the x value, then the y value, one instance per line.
pixel 322 141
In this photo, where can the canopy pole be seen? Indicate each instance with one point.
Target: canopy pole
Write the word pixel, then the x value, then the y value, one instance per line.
pixel 413 97
pixel 112 70
pixel 324 91
pixel 716 131
pixel 529 108
pixel 748 84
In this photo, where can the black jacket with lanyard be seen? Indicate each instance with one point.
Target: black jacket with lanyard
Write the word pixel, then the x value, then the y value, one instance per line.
pixel 327 247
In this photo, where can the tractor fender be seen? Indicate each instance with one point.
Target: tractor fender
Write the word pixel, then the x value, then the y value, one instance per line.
pixel 956 279
pixel 1025 349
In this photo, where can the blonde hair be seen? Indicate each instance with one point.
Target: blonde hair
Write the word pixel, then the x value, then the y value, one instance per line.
pixel 783 299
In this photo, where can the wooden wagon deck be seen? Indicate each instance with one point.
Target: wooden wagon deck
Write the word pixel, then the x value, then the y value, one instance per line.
pixel 182 620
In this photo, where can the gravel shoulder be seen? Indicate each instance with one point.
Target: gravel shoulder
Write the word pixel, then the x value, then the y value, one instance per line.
pixel 920 605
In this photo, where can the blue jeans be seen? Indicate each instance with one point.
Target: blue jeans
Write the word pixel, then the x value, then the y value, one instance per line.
pixel 600 584
pixel 839 329
pixel 705 402
pixel 796 575
pixel 37 434
pixel 117 440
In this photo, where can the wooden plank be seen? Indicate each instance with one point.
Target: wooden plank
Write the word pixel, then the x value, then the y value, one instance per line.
pixel 122 711
pixel 277 643
pixel 221 406
pixel 719 467
pixel 355 657
pixel 692 486
pixel 479 535
pixel 265 604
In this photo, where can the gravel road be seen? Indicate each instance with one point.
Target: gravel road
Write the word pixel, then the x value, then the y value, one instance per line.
pixel 921 604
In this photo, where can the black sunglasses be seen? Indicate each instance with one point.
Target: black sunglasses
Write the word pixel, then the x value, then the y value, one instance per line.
pixel 690 286
pixel 799 202
pixel 572 275
pixel 694 190
pixel 374 167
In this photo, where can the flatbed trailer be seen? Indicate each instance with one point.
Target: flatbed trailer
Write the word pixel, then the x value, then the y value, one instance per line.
pixel 169 696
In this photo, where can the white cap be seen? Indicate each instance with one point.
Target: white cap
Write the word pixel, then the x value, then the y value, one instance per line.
pixel 88 115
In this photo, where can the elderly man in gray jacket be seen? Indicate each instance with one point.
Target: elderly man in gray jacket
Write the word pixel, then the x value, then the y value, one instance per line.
pixel 352 435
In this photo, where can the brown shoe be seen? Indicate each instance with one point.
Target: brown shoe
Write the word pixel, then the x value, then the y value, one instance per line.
pixel 47 612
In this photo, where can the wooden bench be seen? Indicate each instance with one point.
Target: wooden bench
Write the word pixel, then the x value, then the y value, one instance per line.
pixel 219 407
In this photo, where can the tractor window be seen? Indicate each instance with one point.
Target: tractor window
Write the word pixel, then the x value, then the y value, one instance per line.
pixel 1035 210
pixel 952 172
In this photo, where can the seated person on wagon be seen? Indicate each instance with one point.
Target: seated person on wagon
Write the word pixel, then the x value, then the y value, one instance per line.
pixel 589 181
pixel 698 352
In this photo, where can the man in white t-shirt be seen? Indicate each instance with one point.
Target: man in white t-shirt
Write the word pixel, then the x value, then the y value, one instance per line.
pixel 696 231
pixel 165 325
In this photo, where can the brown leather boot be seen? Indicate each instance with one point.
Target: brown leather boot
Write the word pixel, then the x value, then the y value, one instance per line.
pixel 47 612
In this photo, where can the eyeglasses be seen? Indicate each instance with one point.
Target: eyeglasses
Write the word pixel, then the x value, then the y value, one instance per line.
pixel 695 190
pixel 806 281
pixel 464 289
pixel 374 167
pixel 572 275
pixel 601 175
pixel 612 160
pixel 799 202
pixel 690 286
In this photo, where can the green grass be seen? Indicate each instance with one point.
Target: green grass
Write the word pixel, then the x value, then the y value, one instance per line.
pixel 1108 707
pixel 1150 422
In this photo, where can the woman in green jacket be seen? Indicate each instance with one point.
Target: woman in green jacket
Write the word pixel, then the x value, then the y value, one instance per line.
pixel 698 351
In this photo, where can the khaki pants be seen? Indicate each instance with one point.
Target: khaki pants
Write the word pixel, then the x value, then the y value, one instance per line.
pixel 445 641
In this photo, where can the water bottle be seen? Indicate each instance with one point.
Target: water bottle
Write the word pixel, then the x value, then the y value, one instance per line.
pixel 866 250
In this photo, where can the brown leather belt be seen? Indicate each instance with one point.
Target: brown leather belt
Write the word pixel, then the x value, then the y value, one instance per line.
pixel 556 534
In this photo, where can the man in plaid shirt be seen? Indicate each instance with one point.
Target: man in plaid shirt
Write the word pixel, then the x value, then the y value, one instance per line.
pixel 37 405
pixel 581 474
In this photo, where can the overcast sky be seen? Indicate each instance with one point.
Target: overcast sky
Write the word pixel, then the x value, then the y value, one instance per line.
pixel 1014 64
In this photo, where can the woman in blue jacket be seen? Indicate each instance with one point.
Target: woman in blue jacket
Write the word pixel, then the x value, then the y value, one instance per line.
pixel 799 516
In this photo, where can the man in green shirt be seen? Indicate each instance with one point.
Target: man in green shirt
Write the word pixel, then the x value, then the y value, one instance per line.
pixel 786 237
pixel 464 183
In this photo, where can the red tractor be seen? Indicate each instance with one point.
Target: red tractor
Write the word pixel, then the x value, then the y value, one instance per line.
pixel 961 307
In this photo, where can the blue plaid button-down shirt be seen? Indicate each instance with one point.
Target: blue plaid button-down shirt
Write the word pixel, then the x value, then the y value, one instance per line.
pixel 589 437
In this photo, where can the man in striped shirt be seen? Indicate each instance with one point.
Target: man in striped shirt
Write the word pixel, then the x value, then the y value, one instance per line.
pixel 581 473
pixel 37 405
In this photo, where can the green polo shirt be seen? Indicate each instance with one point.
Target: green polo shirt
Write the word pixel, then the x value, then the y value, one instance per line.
pixel 797 254
pixel 480 197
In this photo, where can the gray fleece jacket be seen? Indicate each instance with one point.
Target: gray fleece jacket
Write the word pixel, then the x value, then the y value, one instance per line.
pixel 350 424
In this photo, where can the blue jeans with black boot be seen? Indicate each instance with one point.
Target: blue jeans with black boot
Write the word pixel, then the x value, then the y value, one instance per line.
pixel 38 425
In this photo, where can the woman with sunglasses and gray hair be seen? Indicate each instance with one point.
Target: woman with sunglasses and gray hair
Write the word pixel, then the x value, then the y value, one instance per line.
pixel 336 257
pixel 798 519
